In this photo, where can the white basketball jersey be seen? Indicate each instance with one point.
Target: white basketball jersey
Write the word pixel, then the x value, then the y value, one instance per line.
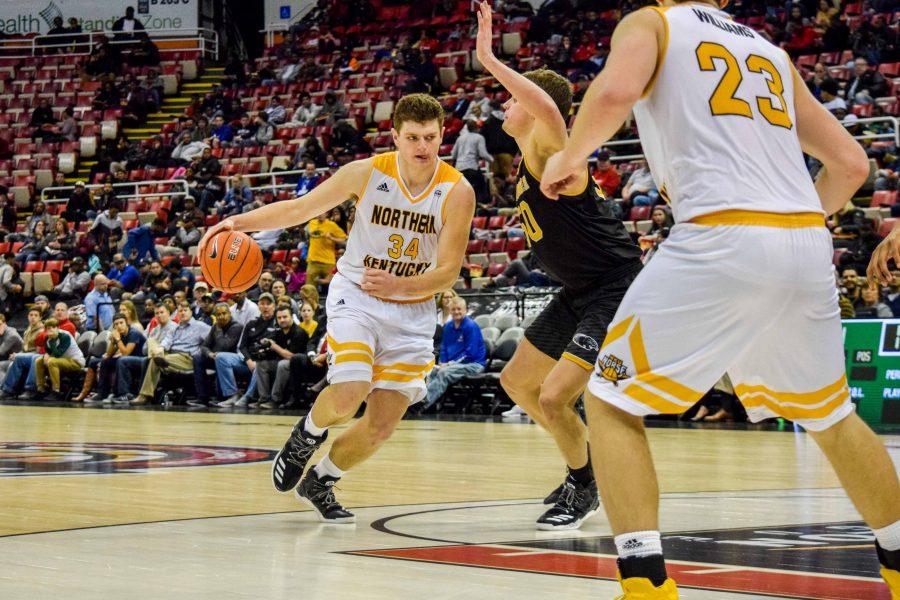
pixel 717 125
pixel 395 231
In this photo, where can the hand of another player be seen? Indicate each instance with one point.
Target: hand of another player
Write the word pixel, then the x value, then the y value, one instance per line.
pixel 380 284
pixel 219 227
pixel 559 173
pixel 889 248
pixel 485 38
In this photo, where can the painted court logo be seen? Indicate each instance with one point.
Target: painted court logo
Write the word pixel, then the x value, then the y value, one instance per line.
pixel 24 459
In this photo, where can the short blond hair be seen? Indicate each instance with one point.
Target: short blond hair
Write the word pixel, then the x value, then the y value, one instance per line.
pixel 419 108
pixel 556 86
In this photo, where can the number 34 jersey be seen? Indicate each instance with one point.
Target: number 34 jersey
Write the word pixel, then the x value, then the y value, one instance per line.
pixel 717 123
pixel 576 238
pixel 395 231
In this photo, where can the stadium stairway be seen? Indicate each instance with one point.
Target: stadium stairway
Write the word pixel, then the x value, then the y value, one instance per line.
pixel 173 106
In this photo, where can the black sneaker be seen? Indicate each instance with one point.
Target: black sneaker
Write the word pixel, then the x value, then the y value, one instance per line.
pixel 576 503
pixel 290 462
pixel 319 493
pixel 553 496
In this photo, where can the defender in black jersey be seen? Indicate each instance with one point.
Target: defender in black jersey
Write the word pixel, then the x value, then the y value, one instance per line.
pixel 579 243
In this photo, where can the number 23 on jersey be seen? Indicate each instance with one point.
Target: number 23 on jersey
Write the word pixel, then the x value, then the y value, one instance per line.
pixel 725 101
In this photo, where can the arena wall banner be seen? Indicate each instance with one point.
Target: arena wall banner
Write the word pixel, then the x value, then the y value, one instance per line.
pixel 18 17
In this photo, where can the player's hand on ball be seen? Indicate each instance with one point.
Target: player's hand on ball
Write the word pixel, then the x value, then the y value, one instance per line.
pixel 380 283
pixel 889 248
pixel 223 225
pixel 485 38
pixel 559 173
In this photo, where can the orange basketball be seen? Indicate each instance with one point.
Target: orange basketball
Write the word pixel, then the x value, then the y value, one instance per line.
pixel 232 262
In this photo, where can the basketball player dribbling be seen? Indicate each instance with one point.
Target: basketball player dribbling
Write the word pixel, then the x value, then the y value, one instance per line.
pixel 413 214
pixel 581 244
pixel 744 284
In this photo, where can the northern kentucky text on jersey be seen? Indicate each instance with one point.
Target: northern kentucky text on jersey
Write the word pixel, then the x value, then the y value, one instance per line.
pixel 723 25
pixel 396 267
pixel 403 219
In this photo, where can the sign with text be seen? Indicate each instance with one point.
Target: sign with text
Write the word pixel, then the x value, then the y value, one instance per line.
pixel 872 351
pixel 18 17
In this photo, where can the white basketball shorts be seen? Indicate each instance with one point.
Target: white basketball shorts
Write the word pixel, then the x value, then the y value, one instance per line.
pixel 750 294
pixel 386 343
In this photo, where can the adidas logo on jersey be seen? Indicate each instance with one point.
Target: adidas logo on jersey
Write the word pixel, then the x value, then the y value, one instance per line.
pixel 383 187
pixel 340 302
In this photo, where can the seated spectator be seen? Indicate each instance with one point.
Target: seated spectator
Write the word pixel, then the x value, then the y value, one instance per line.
pixel 122 277
pixel 140 244
pixel 182 277
pixel 347 141
pixel 98 306
pixel 144 54
pixel 243 310
pixel 479 107
pixel 29 348
pixel 11 343
pixel 263 286
pixel 305 113
pixel 443 311
pixel 852 285
pixel 61 241
pixel 81 205
pixel 296 276
pixel 308 180
pixel 867 83
pixel 524 272
pixel 640 190
pixel 39 213
pixel 275 113
pixel 62 354
pixel 222 132
pixel 238 196
pixel 462 353
pixel 124 340
pixel 307 369
pixel 819 76
pixel 35 244
pixel 244 132
pixel 187 150
pixel 332 111
pixel 12 287
pixel 155 88
pixel 230 365
pixel 174 354
pixel 187 235
pixel 75 284
pixel 892 295
pixel 129 366
pixel 662 222
pixel 127 308
pixel 606 175
pixel 870 305
pixel 222 337
pixel 42 116
pixel 264 133
pixel 109 95
pixel 287 341
pixel 157 282
pixel 107 197
pixel 828 94
pixel 205 307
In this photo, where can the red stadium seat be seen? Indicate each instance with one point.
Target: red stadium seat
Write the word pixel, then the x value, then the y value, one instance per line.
pixel 886 227
pixel 497 222
pixel 514 245
pixel 498 245
pixel 495 269
pixel 34 266
pixel 639 213
pixel 884 198
pixel 278 256
pixel 479 223
pixel 475 247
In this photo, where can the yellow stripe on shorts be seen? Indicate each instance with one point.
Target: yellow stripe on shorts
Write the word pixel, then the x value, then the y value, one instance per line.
pixel 353 357
pixel 405 367
pixel 343 346
pixel 761 219
pixel 654 401
pixel 397 377
pixel 796 405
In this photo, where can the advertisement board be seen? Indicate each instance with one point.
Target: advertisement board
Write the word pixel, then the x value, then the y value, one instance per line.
pixel 18 17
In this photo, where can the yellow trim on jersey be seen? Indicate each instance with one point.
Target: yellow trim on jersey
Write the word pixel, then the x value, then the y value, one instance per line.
pixel 388 163
pixel 403 301
pixel 578 361
pixel 354 357
pixel 661 55
pixel 336 346
pixel 761 219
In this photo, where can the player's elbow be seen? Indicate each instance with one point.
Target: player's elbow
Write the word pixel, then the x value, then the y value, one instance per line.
pixel 856 166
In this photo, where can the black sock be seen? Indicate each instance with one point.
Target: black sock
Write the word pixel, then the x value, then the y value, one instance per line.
pixel 583 475
pixel 888 558
pixel 652 567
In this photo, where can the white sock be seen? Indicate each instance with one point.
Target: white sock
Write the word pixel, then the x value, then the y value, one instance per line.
pixel 889 537
pixel 638 544
pixel 326 467
pixel 311 428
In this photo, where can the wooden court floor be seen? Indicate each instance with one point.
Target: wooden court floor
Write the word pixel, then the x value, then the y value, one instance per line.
pixel 121 503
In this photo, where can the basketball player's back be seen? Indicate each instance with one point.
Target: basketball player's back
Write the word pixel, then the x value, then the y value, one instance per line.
pixel 718 125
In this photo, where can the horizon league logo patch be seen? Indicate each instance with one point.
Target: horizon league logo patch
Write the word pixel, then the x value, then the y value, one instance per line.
pixel 25 459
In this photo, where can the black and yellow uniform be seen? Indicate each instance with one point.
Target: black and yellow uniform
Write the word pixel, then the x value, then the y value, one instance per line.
pixel 582 245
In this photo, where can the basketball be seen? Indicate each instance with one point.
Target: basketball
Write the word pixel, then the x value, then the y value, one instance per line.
pixel 232 262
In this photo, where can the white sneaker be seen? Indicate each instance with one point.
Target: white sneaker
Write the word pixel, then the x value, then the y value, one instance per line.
pixel 243 402
pixel 228 402
pixel 109 399
pixel 515 411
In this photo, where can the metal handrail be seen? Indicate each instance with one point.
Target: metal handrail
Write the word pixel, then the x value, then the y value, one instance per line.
pixel 271 175
pixel 135 185
pixel 208 41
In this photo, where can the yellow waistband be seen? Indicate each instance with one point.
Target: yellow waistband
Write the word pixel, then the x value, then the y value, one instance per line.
pixel 761 219
pixel 406 301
